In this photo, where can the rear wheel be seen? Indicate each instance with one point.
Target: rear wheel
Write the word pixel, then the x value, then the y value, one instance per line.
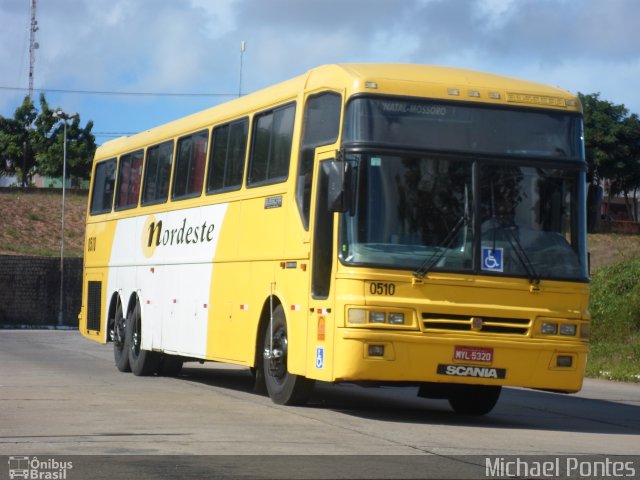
pixel 283 387
pixel 475 400
pixel 119 338
pixel 143 362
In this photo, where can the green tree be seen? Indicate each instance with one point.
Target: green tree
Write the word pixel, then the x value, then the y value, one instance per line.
pixel 80 145
pixel 32 142
pixel 16 142
pixel 612 146
pixel 603 125
pixel 625 177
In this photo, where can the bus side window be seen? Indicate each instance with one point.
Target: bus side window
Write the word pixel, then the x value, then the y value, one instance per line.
pixel 129 173
pixel 188 176
pixel 157 173
pixel 226 164
pixel 103 182
pixel 321 125
pixel 271 146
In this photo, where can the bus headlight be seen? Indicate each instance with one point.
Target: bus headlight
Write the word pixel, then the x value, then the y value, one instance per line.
pixel 379 318
pixel 568 329
pixel 549 328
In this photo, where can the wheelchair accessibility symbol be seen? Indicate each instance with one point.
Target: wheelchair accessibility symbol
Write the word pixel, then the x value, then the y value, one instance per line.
pixel 320 357
pixel 492 259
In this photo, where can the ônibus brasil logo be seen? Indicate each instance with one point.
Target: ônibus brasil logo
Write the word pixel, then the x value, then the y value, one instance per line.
pixel 34 468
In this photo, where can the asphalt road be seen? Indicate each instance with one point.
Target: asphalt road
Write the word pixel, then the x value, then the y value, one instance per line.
pixel 61 397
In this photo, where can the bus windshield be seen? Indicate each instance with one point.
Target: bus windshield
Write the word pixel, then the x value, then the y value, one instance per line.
pixel 422 212
pixel 420 124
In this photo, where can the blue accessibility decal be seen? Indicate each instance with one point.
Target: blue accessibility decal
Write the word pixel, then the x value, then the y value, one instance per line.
pixel 492 259
pixel 320 357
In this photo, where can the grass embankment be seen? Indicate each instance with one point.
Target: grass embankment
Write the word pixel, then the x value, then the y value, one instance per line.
pixel 30 222
pixel 30 225
pixel 615 329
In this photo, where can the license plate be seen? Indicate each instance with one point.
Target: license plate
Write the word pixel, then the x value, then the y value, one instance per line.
pixel 473 354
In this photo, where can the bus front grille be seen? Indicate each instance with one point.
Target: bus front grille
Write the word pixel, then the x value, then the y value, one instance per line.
pixel 464 323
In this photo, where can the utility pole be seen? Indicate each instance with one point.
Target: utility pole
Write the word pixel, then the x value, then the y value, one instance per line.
pixel 60 115
pixel 33 46
pixel 243 47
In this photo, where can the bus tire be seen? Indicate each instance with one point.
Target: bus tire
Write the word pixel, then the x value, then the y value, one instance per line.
pixel 170 365
pixel 119 339
pixel 283 387
pixel 143 362
pixel 475 399
pixel 257 372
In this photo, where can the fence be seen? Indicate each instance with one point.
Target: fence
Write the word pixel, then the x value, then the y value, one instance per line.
pixel 30 291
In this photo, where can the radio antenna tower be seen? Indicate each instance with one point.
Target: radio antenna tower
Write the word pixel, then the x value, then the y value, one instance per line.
pixel 33 46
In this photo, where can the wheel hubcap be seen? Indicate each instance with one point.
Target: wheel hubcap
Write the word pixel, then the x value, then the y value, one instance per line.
pixel 278 355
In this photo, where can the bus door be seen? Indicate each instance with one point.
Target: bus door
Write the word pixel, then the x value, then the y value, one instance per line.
pixel 323 254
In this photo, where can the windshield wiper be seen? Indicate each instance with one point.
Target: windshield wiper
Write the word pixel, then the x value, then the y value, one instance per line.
pixel 519 250
pixel 435 257
pixel 517 247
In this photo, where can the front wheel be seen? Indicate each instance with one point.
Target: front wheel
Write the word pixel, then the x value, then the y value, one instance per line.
pixel 283 387
pixel 143 362
pixel 475 399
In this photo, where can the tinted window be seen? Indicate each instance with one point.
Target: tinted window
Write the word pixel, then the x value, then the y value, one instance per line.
pixel 271 149
pixel 321 126
pixel 226 164
pixel 129 175
pixel 104 179
pixel 190 162
pixel 157 173
pixel 450 126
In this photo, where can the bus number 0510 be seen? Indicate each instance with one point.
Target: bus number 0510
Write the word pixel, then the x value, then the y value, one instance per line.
pixel 380 288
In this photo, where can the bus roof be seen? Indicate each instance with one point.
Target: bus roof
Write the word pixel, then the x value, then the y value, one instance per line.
pixel 430 81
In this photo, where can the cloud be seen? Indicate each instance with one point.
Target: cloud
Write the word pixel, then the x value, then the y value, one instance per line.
pixel 194 45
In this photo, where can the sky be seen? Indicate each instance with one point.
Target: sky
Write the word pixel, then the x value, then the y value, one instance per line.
pixel 151 48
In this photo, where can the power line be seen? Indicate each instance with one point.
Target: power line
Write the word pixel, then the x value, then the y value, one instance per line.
pixel 113 93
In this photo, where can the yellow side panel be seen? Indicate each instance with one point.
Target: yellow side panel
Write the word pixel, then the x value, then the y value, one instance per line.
pixel 97 251
pixel 231 332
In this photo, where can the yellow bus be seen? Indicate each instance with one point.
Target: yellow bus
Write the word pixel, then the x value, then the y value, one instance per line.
pixel 368 223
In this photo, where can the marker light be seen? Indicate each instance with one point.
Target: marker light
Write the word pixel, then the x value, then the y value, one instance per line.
pixel 474 93
pixel 567 329
pixel 377 317
pixel 549 328
pixel 453 91
pixel 585 331
pixel 373 85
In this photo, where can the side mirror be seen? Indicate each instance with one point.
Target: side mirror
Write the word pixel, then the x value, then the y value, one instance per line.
pixel 338 185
